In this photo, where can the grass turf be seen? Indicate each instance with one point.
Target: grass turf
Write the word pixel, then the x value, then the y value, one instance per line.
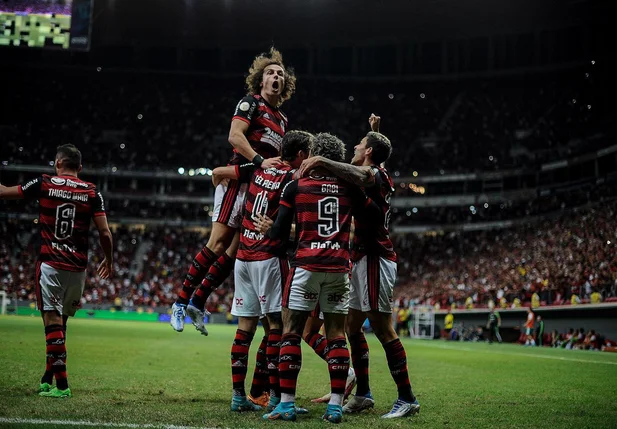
pixel 144 373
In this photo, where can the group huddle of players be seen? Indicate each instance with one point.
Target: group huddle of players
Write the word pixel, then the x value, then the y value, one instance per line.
pixel 275 178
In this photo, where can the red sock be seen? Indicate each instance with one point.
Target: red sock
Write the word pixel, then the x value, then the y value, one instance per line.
pixel 318 343
pixel 261 375
pixel 290 361
pixel 272 353
pixel 239 360
pixel 56 354
pixel 217 274
pixel 197 271
pixel 360 360
pixel 397 362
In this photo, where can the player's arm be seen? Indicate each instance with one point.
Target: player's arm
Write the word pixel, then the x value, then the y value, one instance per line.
pixel 234 172
pixel 10 192
pixel 237 134
pixel 360 176
pixel 281 228
pixel 100 220
pixel 30 190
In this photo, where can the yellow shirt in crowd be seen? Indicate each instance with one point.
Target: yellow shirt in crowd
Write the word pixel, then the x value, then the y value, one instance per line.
pixel 596 298
pixel 535 300
pixel 449 321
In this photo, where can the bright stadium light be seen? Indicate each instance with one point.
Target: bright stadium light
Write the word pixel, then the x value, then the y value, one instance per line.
pixel 191 172
pixel 180 170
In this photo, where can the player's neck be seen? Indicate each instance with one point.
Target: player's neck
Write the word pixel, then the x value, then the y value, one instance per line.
pixel 319 172
pixel 272 100
pixel 64 172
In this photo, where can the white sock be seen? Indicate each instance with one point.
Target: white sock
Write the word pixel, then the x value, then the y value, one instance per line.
pixel 533 343
pixel 336 399
pixel 288 397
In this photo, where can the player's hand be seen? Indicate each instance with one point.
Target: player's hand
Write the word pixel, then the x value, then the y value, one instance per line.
pixel 218 180
pixel 105 269
pixel 374 121
pixel 308 165
pixel 263 223
pixel 271 163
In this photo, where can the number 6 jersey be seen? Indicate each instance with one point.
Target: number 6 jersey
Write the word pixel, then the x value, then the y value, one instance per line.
pixel 66 206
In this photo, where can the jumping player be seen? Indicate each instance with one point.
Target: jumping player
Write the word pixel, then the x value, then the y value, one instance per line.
pixel 319 274
pixel 66 206
pixel 373 273
pixel 257 130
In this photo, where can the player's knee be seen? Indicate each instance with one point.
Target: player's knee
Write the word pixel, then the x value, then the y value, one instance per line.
pixel 275 320
pixel 52 318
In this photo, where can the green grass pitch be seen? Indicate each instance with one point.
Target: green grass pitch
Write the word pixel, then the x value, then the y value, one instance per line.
pixel 146 374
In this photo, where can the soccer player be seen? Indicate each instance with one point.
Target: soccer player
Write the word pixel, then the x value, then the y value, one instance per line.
pixel 540 331
pixel 257 130
pixel 493 325
pixel 531 318
pixel 319 272
pixel 66 206
pixel 373 273
pixel 261 267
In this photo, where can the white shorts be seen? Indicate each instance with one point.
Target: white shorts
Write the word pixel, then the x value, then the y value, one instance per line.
pixel 372 284
pixel 229 203
pixel 59 290
pixel 305 289
pixel 259 287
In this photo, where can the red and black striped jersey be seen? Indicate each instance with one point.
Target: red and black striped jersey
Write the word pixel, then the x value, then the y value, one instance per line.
pixel 374 239
pixel 66 206
pixel 267 127
pixel 262 198
pixel 323 207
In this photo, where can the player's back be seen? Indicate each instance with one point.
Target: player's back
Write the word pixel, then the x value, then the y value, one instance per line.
pixel 374 239
pixel 323 221
pixel 66 207
pixel 262 198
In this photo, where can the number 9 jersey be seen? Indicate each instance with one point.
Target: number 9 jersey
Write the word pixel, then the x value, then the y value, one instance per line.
pixel 66 206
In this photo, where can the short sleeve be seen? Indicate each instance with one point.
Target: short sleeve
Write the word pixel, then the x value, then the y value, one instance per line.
pixel 32 189
pixel 98 205
pixel 245 109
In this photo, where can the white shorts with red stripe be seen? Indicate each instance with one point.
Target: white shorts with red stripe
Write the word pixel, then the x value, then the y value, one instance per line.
pixel 306 289
pixel 259 287
pixel 372 284
pixel 229 203
pixel 59 290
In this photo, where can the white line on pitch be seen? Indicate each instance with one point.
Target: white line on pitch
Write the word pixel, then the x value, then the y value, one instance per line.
pixel 96 424
pixel 497 352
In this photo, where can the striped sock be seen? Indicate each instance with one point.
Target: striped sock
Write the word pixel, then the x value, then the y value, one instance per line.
pixel 239 360
pixel 272 353
pixel 397 362
pixel 318 343
pixel 56 354
pixel 198 269
pixel 360 359
pixel 261 375
pixel 338 367
pixel 218 272
pixel 290 361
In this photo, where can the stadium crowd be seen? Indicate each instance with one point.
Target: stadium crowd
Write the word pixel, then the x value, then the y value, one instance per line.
pixel 158 121
pixel 554 262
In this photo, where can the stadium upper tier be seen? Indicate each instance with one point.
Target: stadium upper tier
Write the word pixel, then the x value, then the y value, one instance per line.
pixel 147 121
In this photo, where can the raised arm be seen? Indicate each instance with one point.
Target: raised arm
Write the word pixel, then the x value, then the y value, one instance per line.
pixel 10 193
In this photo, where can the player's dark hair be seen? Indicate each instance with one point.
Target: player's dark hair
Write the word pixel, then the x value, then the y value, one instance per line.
pixel 328 146
pixel 382 148
pixel 294 142
pixel 70 156
pixel 256 72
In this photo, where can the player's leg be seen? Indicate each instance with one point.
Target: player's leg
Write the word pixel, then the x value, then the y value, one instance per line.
pixel 246 307
pixel 59 293
pixel 312 333
pixel 381 279
pixel 217 273
pixel 260 386
pixel 334 301
pixel 273 350
pixel 224 226
pixel 497 334
pixel 299 299
pixel 358 304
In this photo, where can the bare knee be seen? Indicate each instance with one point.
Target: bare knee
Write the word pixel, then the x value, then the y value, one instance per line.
pixel 221 237
pixel 52 318
pixel 382 327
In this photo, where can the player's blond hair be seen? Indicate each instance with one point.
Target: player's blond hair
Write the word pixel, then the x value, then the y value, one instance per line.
pixel 256 72
pixel 328 146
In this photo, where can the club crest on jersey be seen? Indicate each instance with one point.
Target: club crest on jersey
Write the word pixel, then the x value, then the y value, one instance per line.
pixel 58 181
pixel 244 106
